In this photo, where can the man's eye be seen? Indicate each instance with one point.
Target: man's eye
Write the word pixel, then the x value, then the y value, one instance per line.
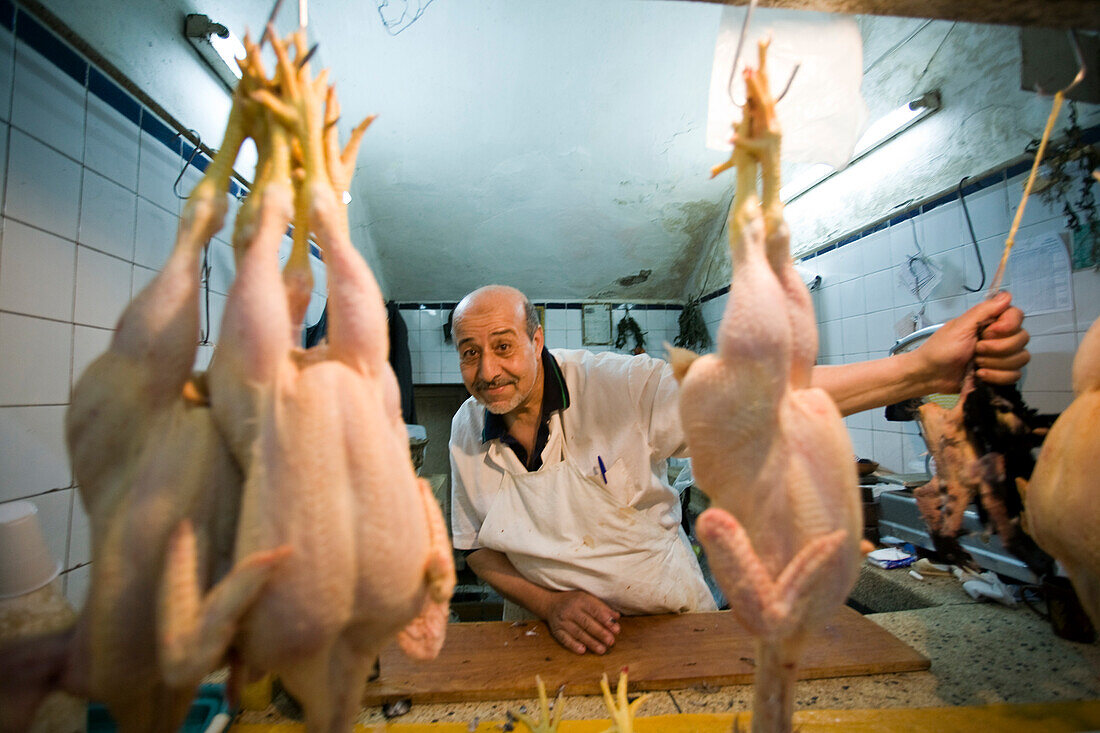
pixel 468 355
pixel 504 348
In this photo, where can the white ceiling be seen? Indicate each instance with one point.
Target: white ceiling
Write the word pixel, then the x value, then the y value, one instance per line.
pixel 555 145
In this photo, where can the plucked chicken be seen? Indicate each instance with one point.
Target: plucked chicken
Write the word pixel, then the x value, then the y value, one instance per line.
pixel 147 457
pixel 782 534
pixel 1061 505
pixel 319 436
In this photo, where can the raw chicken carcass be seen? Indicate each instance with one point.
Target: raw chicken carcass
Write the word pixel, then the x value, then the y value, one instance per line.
pixel 782 534
pixel 1062 500
pixel 320 438
pixel 147 456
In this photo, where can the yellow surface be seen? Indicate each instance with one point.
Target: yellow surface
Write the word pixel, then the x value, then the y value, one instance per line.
pixel 1052 717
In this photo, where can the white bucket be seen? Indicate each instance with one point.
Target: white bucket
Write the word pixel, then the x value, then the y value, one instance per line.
pixel 25 561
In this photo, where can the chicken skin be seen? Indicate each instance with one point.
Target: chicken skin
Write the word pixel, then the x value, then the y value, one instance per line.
pixel 782 534
pixel 147 457
pixel 320 439
pixel 1060 501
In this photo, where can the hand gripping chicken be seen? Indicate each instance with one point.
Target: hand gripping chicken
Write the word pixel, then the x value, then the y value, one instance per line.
pixel 147 456
pixel 1062 499
pixel 782 535
pixel 320 439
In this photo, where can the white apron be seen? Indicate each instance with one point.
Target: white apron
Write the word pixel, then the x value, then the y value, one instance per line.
pixel 564 530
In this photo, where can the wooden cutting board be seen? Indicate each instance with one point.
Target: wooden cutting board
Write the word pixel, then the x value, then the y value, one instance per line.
pixel 498 660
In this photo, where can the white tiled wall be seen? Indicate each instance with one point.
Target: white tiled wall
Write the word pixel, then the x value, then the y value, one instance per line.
pixel 862 299
pixel 436 362
pixel 88 217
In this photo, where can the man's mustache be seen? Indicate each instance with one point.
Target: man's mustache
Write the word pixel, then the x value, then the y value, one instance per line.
pixel 483 385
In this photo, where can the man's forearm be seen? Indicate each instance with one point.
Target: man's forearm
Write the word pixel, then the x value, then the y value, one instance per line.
pixel 497 570
pixel 869 384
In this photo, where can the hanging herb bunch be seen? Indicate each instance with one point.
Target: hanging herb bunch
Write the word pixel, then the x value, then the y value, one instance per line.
pixel 1067 180
pixel 693 330
pixel 628 329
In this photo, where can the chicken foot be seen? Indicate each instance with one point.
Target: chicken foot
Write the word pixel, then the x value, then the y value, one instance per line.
pixel 782 534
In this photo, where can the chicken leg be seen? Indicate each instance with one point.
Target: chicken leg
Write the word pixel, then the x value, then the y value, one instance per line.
pixel 782 534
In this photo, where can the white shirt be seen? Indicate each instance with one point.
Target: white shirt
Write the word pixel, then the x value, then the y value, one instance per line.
pixel 622 409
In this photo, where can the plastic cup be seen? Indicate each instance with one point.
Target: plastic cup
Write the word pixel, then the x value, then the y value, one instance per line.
pixel 25 561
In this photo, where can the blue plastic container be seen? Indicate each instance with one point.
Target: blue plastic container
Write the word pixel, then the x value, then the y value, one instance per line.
pixel 209 701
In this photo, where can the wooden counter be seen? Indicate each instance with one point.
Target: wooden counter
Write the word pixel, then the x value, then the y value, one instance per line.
pixel 499 660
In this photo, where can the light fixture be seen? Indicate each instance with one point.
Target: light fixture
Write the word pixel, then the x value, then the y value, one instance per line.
pixel 880 132
pixel 217 45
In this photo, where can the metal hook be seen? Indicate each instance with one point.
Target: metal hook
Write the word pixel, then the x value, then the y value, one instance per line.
pixel 737 57
pixel 1081 68
pixel 194 153
pixel 737 53
pixel 270 20
pixel 309 54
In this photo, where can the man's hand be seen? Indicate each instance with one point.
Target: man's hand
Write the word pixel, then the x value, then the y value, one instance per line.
pixel 991 333
pixel 581 622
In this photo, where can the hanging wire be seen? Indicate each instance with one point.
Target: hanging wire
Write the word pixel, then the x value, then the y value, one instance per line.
pixel 204 279
pixel 194 154
pixel 1056 106
pixel 405 19
pixel 973 239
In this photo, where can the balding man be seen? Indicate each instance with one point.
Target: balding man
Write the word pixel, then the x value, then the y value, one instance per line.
pixel 559 460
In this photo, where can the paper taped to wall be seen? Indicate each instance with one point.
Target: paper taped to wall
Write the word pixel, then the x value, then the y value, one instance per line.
pixel 1038 275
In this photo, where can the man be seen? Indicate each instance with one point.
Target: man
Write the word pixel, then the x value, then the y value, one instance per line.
pixel 559 487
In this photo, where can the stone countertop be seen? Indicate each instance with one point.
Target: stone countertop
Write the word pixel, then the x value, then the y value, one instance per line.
pixel 981 653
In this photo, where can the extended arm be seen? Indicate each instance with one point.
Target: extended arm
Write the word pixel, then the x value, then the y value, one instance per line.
pixel 579 621
pixel 998 349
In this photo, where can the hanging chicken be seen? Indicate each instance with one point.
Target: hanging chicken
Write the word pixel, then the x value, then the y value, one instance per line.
pixel 782 534
pixel 319 437
pixel 147 456
pixel 1062 499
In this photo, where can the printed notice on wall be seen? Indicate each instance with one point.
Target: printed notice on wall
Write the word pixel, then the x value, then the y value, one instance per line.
pixel 1039 276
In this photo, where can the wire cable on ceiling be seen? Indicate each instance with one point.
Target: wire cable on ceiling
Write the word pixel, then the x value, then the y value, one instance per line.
pixel 399 22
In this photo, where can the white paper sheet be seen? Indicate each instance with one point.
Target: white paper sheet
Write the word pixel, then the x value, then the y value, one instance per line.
pixel 1039 276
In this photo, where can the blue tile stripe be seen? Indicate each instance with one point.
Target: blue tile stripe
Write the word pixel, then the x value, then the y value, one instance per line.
pixel 54 49
pixel 113 95
pixel 38 37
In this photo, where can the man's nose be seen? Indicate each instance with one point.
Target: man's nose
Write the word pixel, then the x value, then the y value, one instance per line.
pixel 488 368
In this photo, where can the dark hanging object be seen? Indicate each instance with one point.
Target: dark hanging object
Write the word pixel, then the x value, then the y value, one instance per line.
pixel 401 361
pixel 316 333
pixel 629 329
pixel 449 326
pixel 693 330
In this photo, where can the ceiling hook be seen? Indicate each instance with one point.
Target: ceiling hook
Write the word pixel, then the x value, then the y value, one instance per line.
pixel 737 53
pixel 268 26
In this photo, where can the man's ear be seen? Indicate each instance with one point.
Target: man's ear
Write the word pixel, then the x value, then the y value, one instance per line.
pixel 539 340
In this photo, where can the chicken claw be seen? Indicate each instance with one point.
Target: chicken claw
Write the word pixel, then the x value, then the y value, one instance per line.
pixel 545 723
pixel 622 712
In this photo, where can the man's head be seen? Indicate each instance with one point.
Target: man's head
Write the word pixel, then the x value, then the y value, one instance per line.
pixel 499 340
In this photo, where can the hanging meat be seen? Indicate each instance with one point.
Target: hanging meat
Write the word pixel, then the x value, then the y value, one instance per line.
pixel 147 457
pixel 318 434
pixel 282 474
pixel 1061 499
pixel 981 446
pixel 782 534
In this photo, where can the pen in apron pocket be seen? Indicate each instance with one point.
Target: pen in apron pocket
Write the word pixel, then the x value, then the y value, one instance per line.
pixel 603 469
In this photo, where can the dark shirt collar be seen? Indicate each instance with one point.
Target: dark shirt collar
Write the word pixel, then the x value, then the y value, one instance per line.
pixel 555 396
